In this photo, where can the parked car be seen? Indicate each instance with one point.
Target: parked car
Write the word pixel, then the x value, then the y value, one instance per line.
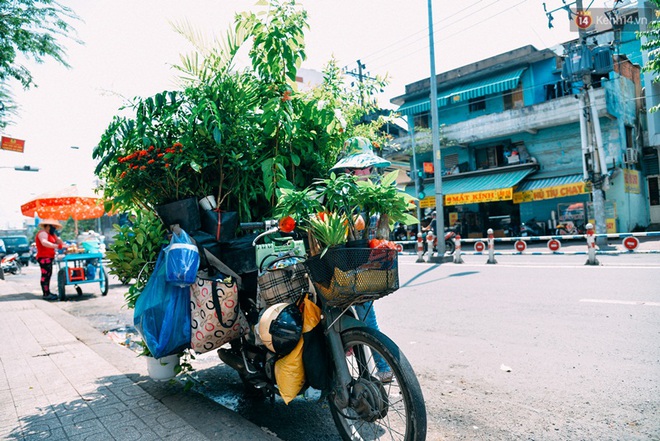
pixel 19 245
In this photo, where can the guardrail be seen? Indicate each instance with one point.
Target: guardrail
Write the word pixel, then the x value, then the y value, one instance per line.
pixel 486 246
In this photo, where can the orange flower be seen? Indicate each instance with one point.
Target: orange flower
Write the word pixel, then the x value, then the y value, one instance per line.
pixel 143 152
pixel 287 224
pixel 160 155
pixel 123 175
pixel 167 165
pixel 143 167
pixel 151 161
pixel 151 148
pixel 286 96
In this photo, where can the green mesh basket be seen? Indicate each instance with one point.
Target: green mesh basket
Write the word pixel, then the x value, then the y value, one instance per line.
pixel 344 276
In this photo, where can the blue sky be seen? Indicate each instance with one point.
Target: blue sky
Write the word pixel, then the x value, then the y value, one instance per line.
pixel 130 47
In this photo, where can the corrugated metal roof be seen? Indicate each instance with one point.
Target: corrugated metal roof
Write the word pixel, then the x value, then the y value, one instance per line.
pixel 494 84
pixel 493 181
pixel 536 184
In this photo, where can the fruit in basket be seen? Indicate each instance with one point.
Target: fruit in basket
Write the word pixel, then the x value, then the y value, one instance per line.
pixel 382 243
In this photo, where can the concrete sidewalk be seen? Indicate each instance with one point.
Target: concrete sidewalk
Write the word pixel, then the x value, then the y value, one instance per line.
pixel 62 379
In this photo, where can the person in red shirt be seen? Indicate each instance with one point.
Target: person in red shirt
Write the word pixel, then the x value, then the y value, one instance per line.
pixel 47 242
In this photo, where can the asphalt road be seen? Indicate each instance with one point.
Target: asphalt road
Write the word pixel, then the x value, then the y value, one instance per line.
pixel 533 348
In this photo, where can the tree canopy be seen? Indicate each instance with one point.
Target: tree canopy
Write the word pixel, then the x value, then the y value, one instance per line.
pixel 31 28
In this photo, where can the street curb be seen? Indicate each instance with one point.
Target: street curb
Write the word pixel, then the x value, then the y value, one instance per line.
pixel 208 417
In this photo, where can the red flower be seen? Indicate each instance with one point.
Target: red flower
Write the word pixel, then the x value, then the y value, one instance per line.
pixel 123 175
pixel 286 96
pixel 151 148
pixel 143 167
pixel 287 224
pixel 143 152
pixel 167 165
pixel 160 155
pixel 151 161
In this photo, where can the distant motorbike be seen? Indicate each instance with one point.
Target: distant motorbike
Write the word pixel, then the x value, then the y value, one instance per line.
pixel 11 264
pixel 530 228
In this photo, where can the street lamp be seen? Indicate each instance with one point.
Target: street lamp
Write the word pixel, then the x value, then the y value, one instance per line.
pixel 22 168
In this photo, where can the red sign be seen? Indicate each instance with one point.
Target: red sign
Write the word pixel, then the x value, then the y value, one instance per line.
pixel 479 247
pixel 399 247
pixel 554 245
pixel 521 245
pixel 12 144
pixel 428 167
pixel 631 243
pixel 583 19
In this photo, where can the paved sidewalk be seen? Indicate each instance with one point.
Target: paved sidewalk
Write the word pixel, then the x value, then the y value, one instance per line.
pixel 62 379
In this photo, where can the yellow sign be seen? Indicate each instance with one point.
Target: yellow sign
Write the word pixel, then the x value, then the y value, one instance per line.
pixel 427 202
pixel 453 219
pixel 476 197
pixel 559 191
pixel 631 180
pixel 609 222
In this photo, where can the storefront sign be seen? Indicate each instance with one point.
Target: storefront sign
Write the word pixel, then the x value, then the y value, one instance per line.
pixel 631 180
pixel 12 144
pixel 610 222
pixel 559 191
pixel 476 197
pixel 427 202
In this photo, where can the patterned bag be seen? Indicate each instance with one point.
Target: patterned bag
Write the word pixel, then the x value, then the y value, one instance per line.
pixel 284 280
pixel 215 314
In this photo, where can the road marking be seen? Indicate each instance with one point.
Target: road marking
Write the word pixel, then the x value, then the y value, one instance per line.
pixel 620 302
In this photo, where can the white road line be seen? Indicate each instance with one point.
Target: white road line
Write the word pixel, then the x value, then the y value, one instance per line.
pixel 620 302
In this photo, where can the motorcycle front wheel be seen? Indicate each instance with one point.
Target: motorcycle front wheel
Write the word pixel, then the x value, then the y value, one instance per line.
pixel 450 247
pixel 379 409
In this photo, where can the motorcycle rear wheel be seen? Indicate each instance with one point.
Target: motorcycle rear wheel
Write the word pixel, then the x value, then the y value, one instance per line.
pixel 378 410
pixel 450 247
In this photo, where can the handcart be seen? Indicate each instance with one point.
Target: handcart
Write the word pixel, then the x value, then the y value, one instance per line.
pixel 80 268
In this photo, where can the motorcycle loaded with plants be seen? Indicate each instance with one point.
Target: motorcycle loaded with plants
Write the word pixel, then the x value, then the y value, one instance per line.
pixel 305 335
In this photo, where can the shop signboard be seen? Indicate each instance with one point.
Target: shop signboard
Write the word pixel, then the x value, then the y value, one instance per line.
pixel 476 197
pixel 558 191
pixel 631 181
pixel 12 144
pixel 610 215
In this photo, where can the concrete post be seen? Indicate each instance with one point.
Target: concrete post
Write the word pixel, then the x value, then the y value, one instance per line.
pixel 429 247
pixel 491 247
pixel 591 245
pixel 420 248
pixel 457 249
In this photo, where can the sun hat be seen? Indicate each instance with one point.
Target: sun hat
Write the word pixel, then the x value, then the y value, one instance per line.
pixel 52 222
pixel 359 153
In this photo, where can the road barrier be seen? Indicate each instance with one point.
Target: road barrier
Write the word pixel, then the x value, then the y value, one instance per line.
pixel 629 241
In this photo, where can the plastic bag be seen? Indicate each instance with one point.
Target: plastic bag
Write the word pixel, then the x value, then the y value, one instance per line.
pixel 290 373
pixel 182 260
pixel 316 360
pixel 162 314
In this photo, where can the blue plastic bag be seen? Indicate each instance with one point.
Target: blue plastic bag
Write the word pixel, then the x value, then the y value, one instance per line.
pixel 182 260
pixel 162 314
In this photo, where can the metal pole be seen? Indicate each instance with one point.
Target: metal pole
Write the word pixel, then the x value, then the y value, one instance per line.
pixel 411 126
pixel 435 136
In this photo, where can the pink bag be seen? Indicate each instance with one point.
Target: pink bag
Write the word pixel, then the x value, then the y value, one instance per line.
pixel 215 316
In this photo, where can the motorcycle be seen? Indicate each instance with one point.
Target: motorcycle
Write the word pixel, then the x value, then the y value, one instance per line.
pixel 530 228
pixel 363 403
pixel 11 264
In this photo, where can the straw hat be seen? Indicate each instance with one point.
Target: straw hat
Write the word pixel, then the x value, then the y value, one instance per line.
pixel 52 222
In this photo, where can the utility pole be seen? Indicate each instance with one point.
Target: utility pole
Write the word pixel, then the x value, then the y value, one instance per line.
pixel 590 124
pixel 435 137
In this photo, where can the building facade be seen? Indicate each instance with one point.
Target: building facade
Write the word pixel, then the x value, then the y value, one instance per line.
pixel 511 145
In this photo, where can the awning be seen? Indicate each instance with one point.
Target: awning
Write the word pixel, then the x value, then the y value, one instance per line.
pixel 489 187
pixel 550 188
pixel 474 89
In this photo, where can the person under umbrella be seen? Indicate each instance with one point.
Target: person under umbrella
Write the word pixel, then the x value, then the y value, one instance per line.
pixel 47 242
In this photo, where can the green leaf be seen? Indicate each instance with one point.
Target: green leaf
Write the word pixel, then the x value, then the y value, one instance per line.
pixel 295 159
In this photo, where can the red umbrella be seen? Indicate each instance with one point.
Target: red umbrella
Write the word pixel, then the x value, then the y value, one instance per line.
pixel 64 204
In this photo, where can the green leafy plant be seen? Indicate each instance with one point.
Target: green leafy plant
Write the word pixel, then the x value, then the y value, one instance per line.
pixel 134 252
pixel 329 228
